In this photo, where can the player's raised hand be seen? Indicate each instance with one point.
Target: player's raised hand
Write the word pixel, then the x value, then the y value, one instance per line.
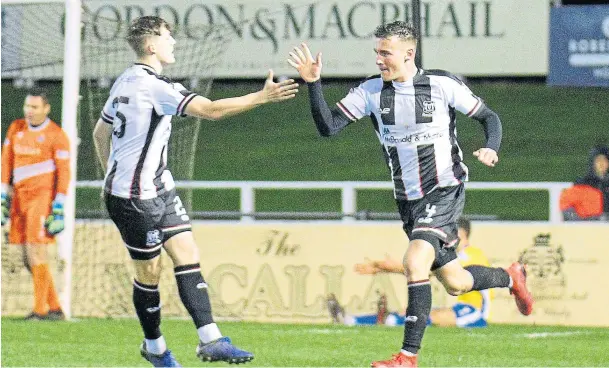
pixel 275 92
pixel 302 60
pixel 487 156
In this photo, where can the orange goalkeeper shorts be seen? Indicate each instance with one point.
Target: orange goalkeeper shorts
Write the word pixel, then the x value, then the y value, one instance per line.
pixel 28 213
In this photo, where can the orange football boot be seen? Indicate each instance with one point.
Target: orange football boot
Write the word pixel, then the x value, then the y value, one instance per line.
pixel 397 360
pixel 523 297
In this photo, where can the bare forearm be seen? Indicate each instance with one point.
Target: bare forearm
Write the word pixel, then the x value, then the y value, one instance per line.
pixel 102 139
pixel 391 268
pixel 226 107
pixel 102 147
pixel 215 110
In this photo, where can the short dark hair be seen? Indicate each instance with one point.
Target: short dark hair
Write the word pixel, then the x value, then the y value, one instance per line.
pixel 464 224
pixel 39 92
pixel 403 30
pixel 142 28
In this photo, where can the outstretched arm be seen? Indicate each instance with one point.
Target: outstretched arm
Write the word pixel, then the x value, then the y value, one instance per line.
pixel 219 109
pixel 371 267
pixel 328 121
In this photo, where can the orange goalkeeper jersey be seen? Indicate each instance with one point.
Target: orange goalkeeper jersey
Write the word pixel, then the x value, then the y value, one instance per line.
pixel 36 159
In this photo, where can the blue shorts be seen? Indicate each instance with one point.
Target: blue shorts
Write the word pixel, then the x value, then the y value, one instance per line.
pixel 469 316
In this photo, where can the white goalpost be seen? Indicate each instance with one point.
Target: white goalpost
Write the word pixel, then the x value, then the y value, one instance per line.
pixel 81 44
pixel 69 115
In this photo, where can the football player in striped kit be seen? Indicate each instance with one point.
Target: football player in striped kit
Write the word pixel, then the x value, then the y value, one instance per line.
pixel 140 192
pixel 413 112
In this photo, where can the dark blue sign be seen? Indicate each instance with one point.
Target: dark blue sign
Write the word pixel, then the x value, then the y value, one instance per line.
pixel 579 46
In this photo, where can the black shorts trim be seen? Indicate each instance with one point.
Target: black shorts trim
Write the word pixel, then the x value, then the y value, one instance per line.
pixel 146 224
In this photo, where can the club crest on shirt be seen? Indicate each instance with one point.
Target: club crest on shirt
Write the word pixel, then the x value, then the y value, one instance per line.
pixel 40 139
pixel 428 108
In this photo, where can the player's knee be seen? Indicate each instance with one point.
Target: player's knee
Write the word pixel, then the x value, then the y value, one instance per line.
pixel 418 260
pixel 415 268
pixel 455 289
pixel 148 273
pixel 182 249
pixel 36 254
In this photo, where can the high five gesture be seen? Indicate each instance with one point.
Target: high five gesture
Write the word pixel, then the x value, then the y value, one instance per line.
pixel 302 60
pixel 276 92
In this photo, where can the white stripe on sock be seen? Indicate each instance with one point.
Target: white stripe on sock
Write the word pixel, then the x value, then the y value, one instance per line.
pixel 156 346
pixel 209 333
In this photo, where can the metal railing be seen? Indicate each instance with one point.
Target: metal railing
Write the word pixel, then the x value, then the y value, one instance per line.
pixel 247 209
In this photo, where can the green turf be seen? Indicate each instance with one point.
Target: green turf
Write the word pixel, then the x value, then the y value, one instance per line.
pixel 107 343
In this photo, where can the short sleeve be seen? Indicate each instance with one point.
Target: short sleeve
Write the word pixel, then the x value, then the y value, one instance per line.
pixel 9 135
pixel 170 98
pixel 107 114
pixel 355 104
pixel 461 97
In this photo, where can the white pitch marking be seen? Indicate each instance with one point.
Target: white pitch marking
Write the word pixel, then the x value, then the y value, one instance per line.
pixel 543 335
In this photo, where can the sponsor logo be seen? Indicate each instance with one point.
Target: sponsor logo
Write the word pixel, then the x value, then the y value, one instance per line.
pixel 202 285
pixel 153 237
pixel 384 111
pixel 431 210
pixel 26 150
pixel 428 108
pixel 410 138
pixel 153 309
pixel 412 319
pixel 590 52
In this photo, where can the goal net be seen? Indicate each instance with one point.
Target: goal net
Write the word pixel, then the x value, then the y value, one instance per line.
pixel 32 54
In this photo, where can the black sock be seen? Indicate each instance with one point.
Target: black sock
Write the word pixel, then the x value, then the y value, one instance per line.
pixel 147 302
pixel 488 277
pixel 419 306
pixel 193 292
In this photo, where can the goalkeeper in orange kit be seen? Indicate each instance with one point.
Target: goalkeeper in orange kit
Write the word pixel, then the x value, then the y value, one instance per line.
pixel 36 163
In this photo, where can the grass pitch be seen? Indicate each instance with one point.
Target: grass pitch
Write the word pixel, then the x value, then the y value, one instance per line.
pixel 113 343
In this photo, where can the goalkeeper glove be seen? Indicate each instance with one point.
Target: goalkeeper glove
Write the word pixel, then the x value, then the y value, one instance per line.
pixel 54 222
pixel 5 208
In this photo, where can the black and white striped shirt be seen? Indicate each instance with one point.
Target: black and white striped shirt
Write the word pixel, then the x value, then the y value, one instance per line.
pixel 415 123
pixel 140 108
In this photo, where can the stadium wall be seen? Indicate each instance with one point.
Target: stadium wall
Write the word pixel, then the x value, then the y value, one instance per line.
pixel 282 272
